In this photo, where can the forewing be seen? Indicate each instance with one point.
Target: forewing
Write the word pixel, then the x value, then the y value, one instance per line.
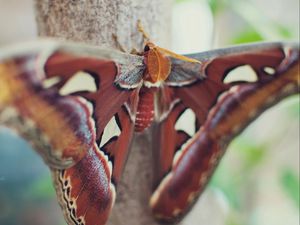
pixel 76 106
pixel 219 105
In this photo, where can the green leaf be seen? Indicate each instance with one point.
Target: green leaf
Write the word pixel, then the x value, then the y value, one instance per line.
pixel 216 6
pixel 229 185
pixel 41 189
pixel 246 36
pixel 290 185
pixel 233 220
pixel 180 1
pixel 252 154
pixel 230 180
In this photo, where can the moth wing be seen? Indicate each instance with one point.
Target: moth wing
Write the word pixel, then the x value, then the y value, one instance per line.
pixel 205 106
pixel 86 191
pixel 61 96
pixel 86 129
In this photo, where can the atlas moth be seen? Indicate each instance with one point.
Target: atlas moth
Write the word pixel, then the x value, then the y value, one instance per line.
pixel 84 134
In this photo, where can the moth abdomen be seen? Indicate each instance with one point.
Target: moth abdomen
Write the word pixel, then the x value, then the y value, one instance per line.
pixel 145 109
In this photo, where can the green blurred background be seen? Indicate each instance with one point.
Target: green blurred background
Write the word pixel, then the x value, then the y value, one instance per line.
pixel 257 182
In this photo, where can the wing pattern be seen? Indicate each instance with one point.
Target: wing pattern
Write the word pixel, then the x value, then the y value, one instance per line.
pixel 84 133
pixel 222 110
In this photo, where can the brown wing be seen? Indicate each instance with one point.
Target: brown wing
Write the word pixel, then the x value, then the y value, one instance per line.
pixel 82 133
pixel 219 110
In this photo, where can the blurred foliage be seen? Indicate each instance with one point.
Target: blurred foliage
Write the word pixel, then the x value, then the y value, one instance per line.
pixel 233 220
pixel 26 189
pixel 232 181
pixel 41 189
pixel 248 35
pixel 258 23
pixel 258 27
pixel 293 108
pixel 228 184
pixel 291 185
pixel 252 153
pixel 216 6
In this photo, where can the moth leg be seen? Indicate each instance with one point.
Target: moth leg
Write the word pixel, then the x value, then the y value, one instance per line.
pixel 134 51
pixel 141 29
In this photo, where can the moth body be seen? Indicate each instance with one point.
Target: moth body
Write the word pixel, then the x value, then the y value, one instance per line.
pixel 158 68
pixel 145 109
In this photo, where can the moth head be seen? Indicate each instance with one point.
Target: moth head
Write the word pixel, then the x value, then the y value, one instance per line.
pixel 158 66
pixel 149 46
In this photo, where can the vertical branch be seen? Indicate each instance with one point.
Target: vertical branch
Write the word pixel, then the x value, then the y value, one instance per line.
pixel 94 22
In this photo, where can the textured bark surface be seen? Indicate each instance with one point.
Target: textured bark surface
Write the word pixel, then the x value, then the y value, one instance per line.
pixel 94 22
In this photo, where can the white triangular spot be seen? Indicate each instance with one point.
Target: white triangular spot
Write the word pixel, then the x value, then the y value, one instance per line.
pixel 186 122
pixel 50 82
pixel 269 70
pixel 112 129
pixel 81 81
pixel 241 73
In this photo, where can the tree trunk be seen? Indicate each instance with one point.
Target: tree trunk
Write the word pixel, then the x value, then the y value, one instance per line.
pixel 94 22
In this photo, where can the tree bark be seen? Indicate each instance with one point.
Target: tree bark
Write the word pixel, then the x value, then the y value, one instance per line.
pixel 94 22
